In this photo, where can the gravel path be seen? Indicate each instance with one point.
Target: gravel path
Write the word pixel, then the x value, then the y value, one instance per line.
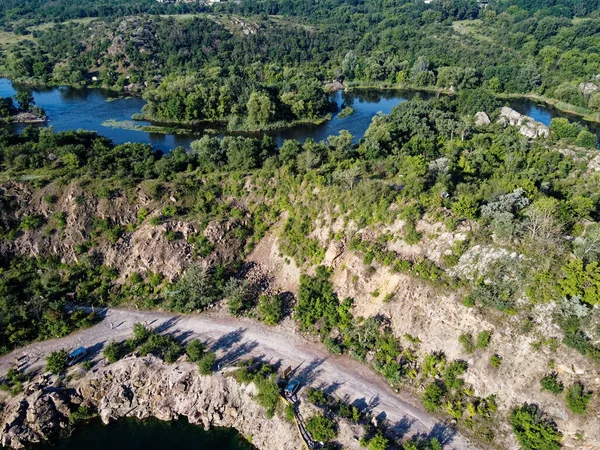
pixel 234 338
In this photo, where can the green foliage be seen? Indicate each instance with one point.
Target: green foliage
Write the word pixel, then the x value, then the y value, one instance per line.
pixel 495 361
pixel 82 414
pixel 432 396
pixel 13 381
pixel 270 309
pixel 114 351
pixel 551 383
pixel 577 398
pixel 57 362
pixel 165 347
pixel 378 442
pixel 466 340
pixel 483 339
pixel 321 428
pixel 195 350
pixel 316 303
pixel 206 364
pixel 32 222
pixel 533 431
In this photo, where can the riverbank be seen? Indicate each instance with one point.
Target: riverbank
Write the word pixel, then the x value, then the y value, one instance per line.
pixel 24 117
pixel 583 113
pixel 142 388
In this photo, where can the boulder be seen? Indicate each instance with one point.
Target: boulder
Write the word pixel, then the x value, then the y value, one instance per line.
pixel 482 119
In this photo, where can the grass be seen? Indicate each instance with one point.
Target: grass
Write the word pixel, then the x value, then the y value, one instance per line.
pixel 131 125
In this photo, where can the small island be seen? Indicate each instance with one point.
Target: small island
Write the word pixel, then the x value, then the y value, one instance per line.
pixel 345 112
pixel 26 111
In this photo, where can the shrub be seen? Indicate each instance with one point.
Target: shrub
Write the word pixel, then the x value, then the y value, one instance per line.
pixel 533 431
pixel 113 352
pixel 432 396
pixel 270 309
pixel 195 350
pixel 268 395
pixel 32 222
pixel 321 428
pixel 57 362
pixel 551 383
pixel 317 397
pixel 466 340
pixel 495 361
pixel 483 339
pixel 577 399
pixel 82 413
pixel 378 442
pixel 206 364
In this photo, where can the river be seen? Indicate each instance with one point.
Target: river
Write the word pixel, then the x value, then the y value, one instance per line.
pixel 88 109
pixel 152 434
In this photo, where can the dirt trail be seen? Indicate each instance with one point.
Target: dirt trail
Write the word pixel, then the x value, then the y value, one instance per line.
pixel 234 338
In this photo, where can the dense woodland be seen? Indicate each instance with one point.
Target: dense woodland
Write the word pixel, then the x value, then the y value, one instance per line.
pixel 281 49
pixel 259 64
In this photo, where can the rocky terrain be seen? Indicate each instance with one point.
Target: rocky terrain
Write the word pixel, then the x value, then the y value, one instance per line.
pixel 141 387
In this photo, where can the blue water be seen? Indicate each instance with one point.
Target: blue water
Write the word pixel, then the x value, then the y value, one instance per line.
pixel 88 109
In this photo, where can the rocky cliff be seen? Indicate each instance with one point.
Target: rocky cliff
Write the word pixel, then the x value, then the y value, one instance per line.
pixel 142 387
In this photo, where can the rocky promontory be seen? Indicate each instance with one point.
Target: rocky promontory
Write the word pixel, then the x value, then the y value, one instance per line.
pixel 141 387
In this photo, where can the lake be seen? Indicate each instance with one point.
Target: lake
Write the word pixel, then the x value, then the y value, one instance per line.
pixel 151 434
pixel 72 109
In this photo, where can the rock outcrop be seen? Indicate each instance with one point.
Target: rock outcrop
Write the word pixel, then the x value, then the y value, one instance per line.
pixel 482 119
pixel 143 387
pixel 528 126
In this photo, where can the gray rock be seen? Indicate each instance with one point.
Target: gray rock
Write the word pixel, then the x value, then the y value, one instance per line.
pixel 482 119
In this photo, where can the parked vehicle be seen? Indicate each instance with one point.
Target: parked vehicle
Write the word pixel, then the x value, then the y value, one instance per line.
pixel 77 355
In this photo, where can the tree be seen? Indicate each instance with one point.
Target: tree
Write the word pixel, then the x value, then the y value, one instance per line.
pixel 533 431
pixel 195 350
pixel 260 109
pixel 57 362
pixel 206 365
pixel 113 352
pixel 270 308
pixel 586 139
pixel 472 101
pixel 349 65
pixel 25 100
pixel 577 398
pixel 321 428
pixel 466 207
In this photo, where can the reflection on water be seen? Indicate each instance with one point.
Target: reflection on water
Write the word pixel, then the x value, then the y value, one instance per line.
pixel 88 109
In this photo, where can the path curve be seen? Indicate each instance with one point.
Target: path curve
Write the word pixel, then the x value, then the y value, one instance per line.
pixel 234 338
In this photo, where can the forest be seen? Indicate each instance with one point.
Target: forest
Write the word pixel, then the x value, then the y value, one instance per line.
pixel 283 49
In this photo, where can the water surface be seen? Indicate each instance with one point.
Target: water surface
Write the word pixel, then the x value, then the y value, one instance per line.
pixel 152 434
pixel 88 108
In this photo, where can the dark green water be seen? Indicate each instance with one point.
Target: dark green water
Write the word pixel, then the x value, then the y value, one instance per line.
pixel 152 434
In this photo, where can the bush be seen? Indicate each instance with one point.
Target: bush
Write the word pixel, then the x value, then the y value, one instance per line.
pixel 551 383
pixel 195 350
pixel 32 222
pixel 206 364
pixel 378 442
pixel 57 362
pixel 533 431
pixel 270 309
pixel 432 396
pixel 268 395
pixel 577 399
pixel 113 352
pixel 317 397
pixel 466 340
pixel 483 339
pixel 321 428
pixel 495 361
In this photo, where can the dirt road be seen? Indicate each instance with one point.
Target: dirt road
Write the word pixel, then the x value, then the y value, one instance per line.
pixel 234 338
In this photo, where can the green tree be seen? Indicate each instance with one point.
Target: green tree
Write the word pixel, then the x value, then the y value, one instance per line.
pixel 25 100
pixel 270 308
pixel 577 398
pixel 260 109
pixel 533 431
pixel 195 350
pixel 206 365
pixel 57 362
pixel 321 428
